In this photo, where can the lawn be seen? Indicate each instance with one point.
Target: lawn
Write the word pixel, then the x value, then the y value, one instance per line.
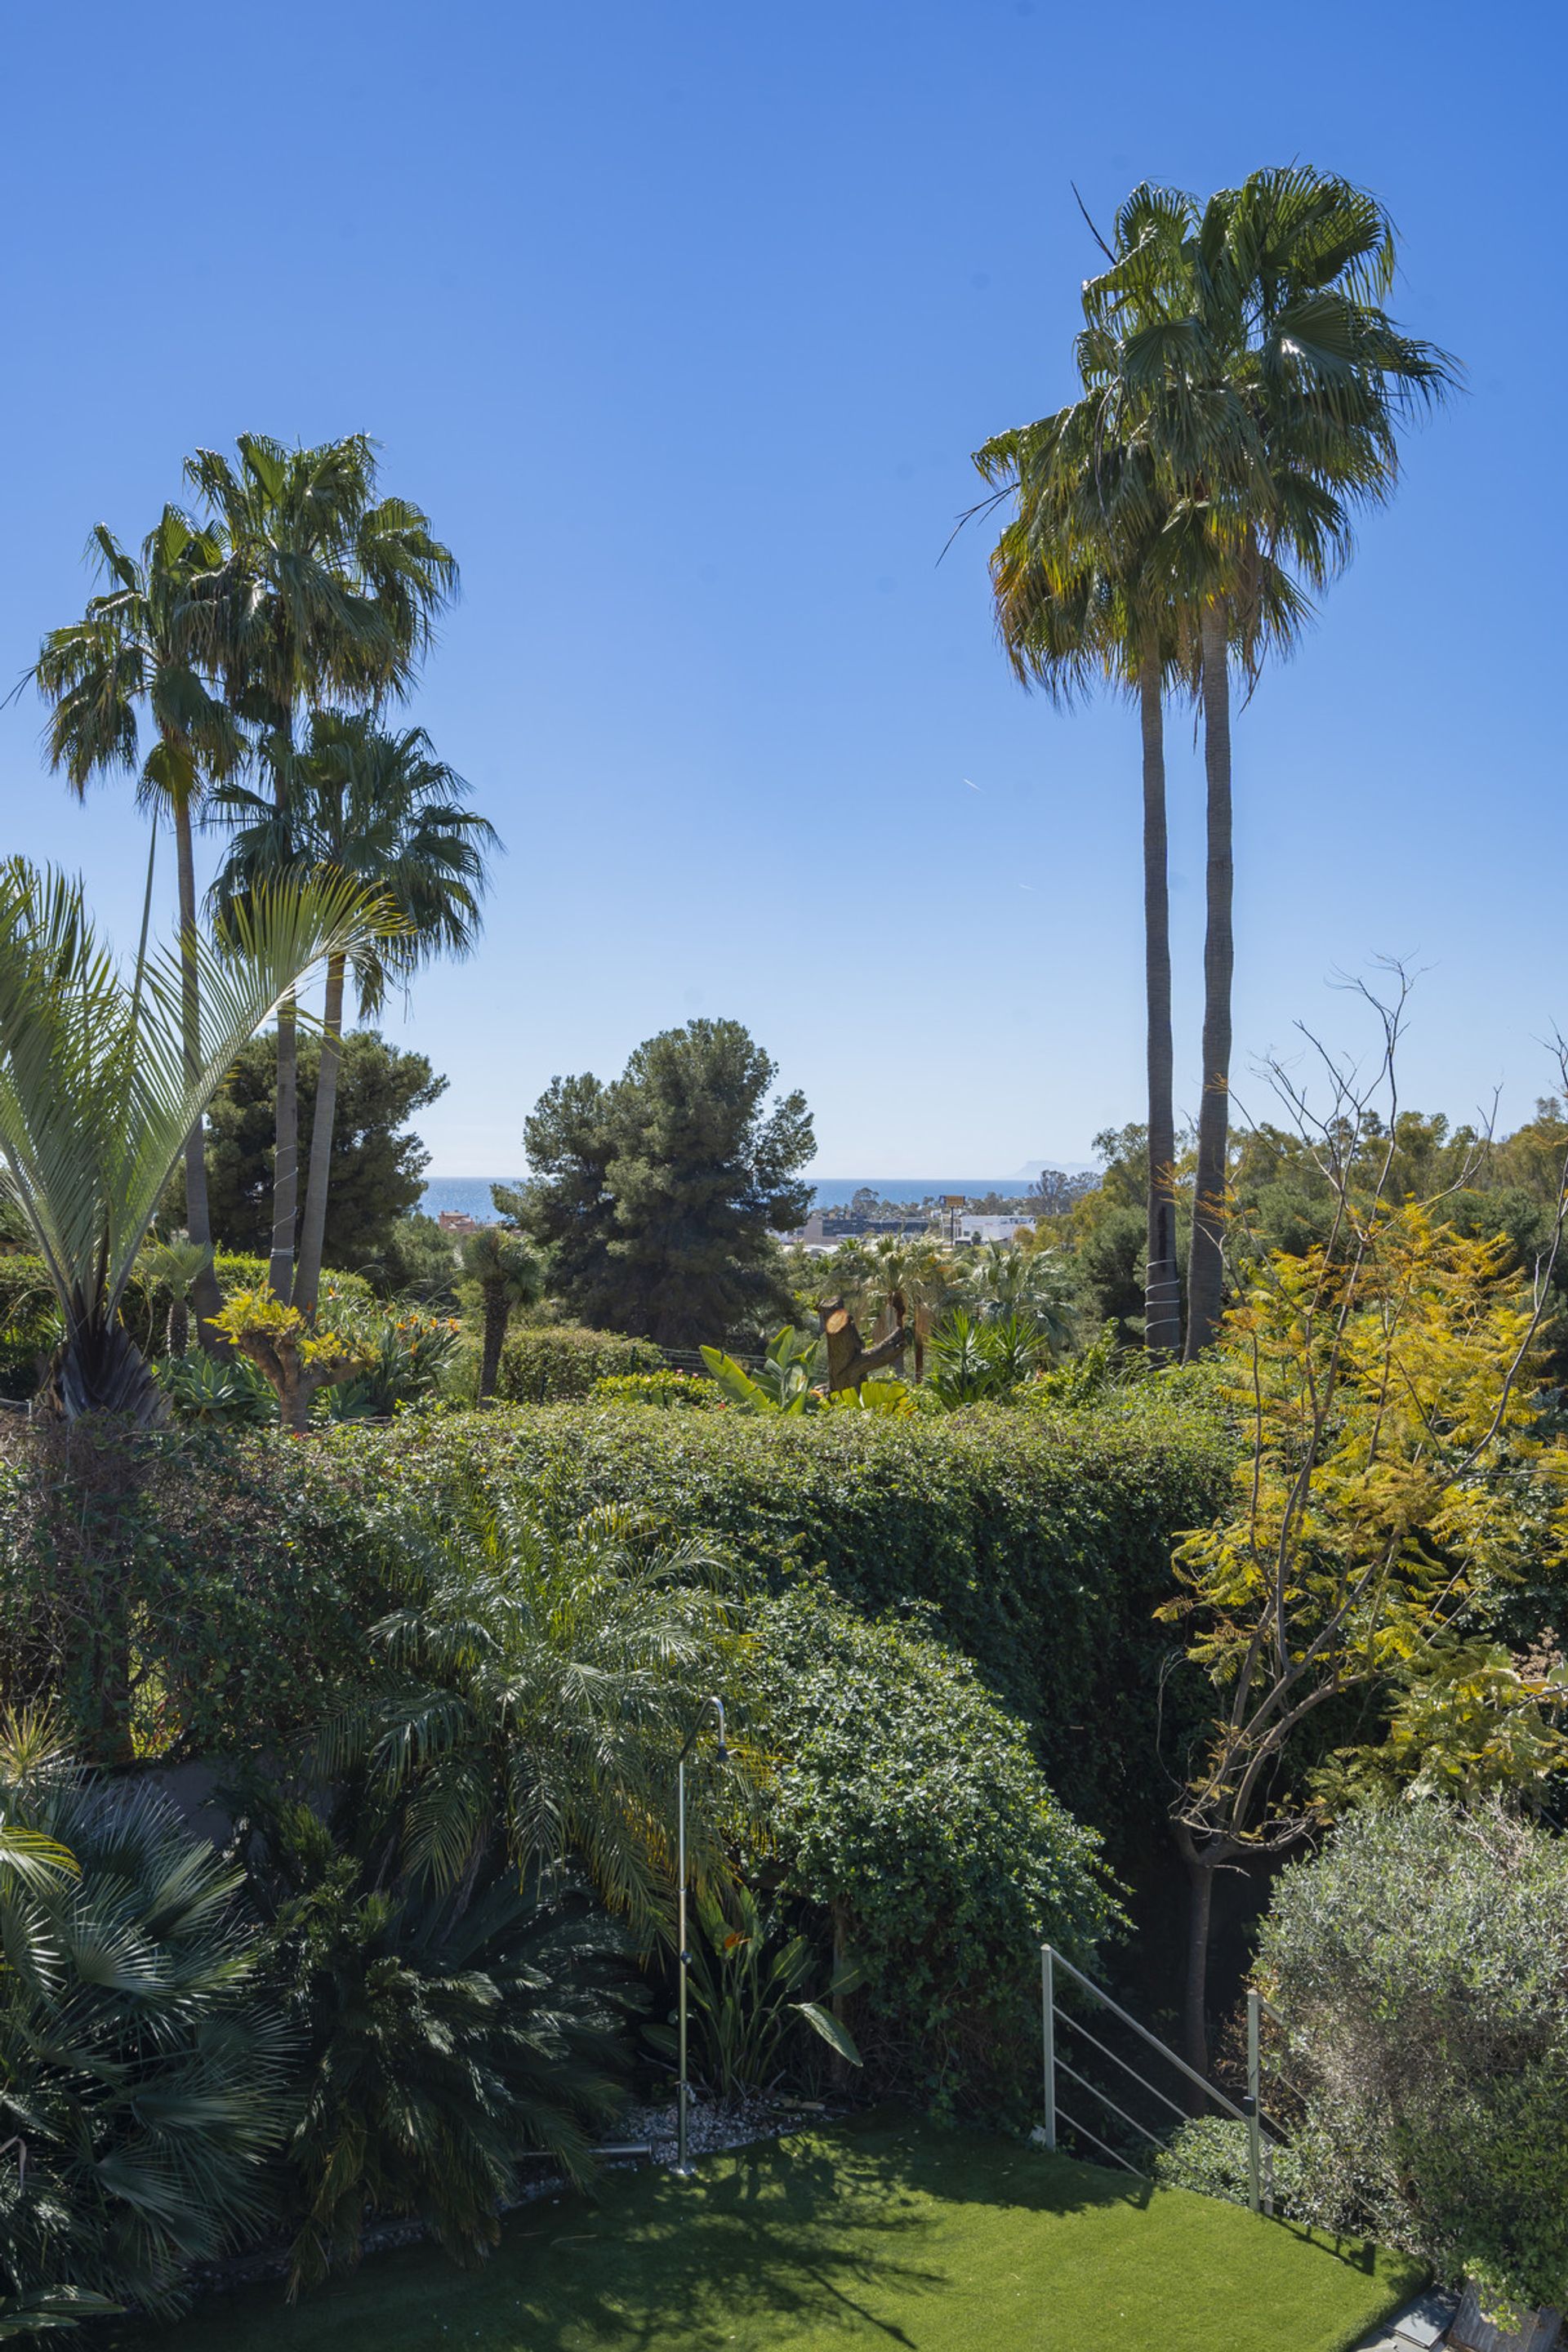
pixel 887 2231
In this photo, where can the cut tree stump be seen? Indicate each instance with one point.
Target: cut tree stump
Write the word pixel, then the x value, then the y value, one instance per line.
pixel 849 1361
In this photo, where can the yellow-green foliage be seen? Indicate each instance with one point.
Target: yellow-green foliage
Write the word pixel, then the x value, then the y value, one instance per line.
pixel 1398 1475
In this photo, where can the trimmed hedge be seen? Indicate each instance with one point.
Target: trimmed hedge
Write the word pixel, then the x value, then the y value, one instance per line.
pixel 547 1363
pixel 1038 1544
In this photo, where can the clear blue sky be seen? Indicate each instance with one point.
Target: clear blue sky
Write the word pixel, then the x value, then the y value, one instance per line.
pixel 682 320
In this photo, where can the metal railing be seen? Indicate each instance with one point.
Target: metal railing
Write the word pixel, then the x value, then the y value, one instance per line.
pixel 1261 2197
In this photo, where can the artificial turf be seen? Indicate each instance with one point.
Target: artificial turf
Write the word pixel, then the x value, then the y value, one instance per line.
pixel 883 2232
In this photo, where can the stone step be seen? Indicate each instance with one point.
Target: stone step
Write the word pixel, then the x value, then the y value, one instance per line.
pixel 1419 2327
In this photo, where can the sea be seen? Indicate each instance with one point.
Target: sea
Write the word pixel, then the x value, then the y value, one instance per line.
pixel 470 1195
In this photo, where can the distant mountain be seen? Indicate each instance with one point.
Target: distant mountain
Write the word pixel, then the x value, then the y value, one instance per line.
pixel 1031 1168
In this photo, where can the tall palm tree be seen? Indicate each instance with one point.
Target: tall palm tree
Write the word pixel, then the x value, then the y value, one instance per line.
pixel 1081 587
pixel 325 593
pixel 1244 346
pixel 96 1098
pixel 381 808
pixel 134 649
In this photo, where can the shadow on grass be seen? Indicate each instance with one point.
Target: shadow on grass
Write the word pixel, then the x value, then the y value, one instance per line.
pixel 855 2233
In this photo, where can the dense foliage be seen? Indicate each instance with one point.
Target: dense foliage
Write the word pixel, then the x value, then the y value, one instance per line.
pixel 656 1194
pixel 438 2034
pixel 1421 1963
pixel 140 2075
pixel 545 1363
pixel 377 1169
pixel 910 1809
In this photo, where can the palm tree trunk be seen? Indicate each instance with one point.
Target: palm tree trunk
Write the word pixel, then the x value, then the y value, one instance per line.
pixel 1206 1265
pixel 204 1294
pixel 496 1319
pixel 313 1233
pixel 286 1151
pixel 286 1155
pixel 1161 1279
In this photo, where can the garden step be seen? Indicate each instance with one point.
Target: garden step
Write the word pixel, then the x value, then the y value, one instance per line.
pixel 1421 2326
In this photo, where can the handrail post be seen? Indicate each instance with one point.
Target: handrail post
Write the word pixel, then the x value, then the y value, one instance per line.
pixel 1254 2105
pixel 1048 2042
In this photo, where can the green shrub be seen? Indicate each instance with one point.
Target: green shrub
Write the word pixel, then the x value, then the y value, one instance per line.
pixel 545 1362
pixel 249 1579
pixel 1421 1965
pixel 1037 1544
pixel 29 1325
pixel 672 1389
pixel 910 1809
pixel 1210 2154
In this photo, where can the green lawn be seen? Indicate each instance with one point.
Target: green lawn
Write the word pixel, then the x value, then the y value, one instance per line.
pixel 886 2233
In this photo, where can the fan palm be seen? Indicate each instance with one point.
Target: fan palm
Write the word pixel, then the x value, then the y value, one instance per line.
pixel 509 1274
pixel 898 1277
pixel 1003 1282
pixel 96 1100
pixel 540 1686
pixel 135 649
pixel 1242 346
pixel 442 2033
pixel 147 2096
pixel 1083 591
pixel 383 809
pixel 324 593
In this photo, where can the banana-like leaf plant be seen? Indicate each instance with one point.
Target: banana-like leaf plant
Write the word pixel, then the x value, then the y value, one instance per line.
pixel 97 1096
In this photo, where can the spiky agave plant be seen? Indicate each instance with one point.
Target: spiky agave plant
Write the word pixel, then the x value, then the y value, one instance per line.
pixel 139 2077
pixel 97 1099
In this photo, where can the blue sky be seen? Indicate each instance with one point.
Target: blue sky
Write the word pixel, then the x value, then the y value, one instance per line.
pixel 681 321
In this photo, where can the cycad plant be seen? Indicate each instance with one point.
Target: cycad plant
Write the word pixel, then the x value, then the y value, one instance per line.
pixel 534 1687
pixel 442 2033
pixel 96 1098
pixel 139 2074
pixel 974 1362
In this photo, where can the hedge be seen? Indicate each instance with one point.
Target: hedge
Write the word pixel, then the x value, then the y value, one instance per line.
pixel 545 1363
pixel 1037 1544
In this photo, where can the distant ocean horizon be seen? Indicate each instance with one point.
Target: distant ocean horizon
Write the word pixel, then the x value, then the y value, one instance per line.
pixel 469 1196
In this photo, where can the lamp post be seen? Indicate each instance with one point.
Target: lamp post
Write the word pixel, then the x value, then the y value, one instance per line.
pixel 683 2169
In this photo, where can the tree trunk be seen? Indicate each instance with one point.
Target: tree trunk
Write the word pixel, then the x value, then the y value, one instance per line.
pixel 286 1156
pixel 205 1296
pixel 314 1232
pixel 1161 1280
pixel 1206 1265
pixel 286 1152
pixel 848 1361
pixel 1195 1999
pixel 496 1319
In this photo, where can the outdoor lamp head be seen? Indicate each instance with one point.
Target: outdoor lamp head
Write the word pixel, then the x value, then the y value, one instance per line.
pixel 721 1752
